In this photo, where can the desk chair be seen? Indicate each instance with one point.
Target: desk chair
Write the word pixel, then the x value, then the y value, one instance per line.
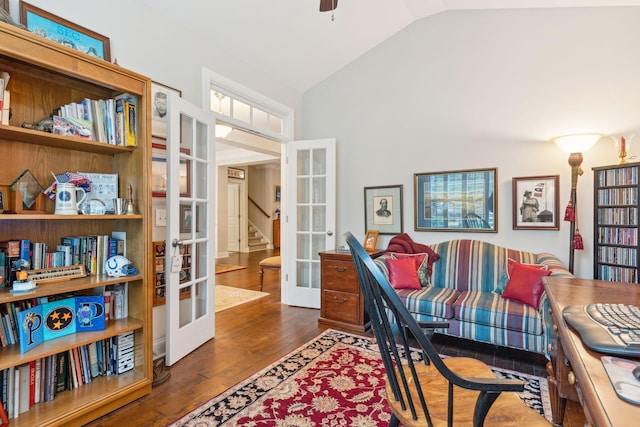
pixel 432 391
pixel 271 263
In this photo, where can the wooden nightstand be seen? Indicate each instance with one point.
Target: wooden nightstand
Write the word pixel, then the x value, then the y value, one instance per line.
pixel 342 305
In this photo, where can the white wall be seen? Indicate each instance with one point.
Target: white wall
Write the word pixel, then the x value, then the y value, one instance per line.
pixel 476 89
pixel 155 46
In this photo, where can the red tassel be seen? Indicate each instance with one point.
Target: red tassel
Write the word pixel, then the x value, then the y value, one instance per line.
pixel 578 244
pixel 569 213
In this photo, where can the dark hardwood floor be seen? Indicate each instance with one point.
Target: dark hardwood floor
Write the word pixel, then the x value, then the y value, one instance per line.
pixel 251 336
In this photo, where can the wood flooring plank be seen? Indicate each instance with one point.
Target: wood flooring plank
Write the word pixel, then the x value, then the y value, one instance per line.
pixel 248 338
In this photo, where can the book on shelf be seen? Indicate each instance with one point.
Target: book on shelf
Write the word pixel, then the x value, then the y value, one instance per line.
pixel 31 328
pixel 37 379
pixel 22 395
pixel 2 88
pixel 6 108
pixel 59 318
pixel 71 126
pixel 90 313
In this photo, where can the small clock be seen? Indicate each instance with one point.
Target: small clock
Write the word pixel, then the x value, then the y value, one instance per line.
pixel 93 207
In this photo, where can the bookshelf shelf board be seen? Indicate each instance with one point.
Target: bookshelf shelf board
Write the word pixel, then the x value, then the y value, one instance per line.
pixel 31 136
pixel 11 354
pixel 85 401
pixel 63 286
pixel 51 217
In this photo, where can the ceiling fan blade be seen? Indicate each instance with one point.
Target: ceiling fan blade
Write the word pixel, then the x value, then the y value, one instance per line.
pixel 327 5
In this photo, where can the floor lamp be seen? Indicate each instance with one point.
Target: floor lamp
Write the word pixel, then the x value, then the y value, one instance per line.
pixel 575 145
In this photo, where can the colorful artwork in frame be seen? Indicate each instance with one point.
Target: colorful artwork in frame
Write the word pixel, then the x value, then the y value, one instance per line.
pixel 65 32
pixel 462 200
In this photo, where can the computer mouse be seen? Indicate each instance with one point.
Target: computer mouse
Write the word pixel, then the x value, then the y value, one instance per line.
pixel 636 373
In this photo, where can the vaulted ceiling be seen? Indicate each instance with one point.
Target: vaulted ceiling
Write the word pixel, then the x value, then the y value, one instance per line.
pixel 294 43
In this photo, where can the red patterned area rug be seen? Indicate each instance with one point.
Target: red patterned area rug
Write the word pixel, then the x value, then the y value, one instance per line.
pixel 337 379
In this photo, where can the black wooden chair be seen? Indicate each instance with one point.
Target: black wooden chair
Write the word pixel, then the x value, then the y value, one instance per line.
pixel 427 390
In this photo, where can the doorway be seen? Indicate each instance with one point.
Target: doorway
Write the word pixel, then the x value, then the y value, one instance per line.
pixel 233 219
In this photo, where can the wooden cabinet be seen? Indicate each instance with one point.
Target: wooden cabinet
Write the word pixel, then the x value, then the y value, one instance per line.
pixel 616 201
pixel 342 304
pixel 44 76
pixel 276 233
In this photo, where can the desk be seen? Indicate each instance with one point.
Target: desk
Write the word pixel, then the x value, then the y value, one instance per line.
pixel 575 372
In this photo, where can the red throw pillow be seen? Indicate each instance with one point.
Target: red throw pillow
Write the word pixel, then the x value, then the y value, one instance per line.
pixel 525 284
pixel 421 265
pixel 403 274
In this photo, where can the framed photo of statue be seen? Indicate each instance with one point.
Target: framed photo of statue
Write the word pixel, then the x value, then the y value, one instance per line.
pixel 383 209
pixel 159 105
pixel 536 203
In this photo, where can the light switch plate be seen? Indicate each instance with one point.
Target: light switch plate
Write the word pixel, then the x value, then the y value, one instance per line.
pixel 161 217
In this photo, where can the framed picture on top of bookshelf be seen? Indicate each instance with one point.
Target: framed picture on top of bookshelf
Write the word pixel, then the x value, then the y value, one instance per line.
pixel 536 203
pixel 159 102
pixel 65 32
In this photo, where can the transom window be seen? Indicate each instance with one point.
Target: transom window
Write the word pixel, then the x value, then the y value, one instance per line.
pixel 242 110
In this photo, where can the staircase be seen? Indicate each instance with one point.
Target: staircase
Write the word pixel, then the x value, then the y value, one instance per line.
pixel 256 240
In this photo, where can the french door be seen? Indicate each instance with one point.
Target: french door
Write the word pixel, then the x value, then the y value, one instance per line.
pixel 309 216
pixel 190 260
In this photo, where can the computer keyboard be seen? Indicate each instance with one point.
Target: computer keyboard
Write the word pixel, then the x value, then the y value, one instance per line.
pixel 607 328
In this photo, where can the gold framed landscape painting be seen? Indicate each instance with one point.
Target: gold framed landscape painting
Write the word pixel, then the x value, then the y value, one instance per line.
pixel 463 200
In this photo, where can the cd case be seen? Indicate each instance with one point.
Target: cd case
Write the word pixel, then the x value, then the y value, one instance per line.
pixel 620 374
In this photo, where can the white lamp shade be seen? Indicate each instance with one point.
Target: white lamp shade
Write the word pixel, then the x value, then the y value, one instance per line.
pixel 577 143
pixel 223 130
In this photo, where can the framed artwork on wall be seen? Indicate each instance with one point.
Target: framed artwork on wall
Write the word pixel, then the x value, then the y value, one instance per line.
pixel 383 209
pixel 65 32
pixel 159 172
pixel 186 218
pixel 462 200
pixel 536 203
pixel 159 103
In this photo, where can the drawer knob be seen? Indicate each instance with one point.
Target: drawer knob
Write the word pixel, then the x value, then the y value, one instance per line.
pixel 571 377
pixel 335 298
pixel 340 269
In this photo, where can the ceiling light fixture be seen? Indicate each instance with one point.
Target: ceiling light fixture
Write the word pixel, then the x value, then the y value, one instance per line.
pixel 221 130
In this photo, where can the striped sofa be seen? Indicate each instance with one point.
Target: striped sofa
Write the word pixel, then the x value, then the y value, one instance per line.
pixel 465 290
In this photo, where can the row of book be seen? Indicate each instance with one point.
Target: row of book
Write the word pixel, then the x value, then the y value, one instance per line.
pixel 31 321
pixel 111 120
pixel 91 251
pixel 41 380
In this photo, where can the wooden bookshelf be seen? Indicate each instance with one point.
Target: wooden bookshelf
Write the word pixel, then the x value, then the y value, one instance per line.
pixel 43 76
